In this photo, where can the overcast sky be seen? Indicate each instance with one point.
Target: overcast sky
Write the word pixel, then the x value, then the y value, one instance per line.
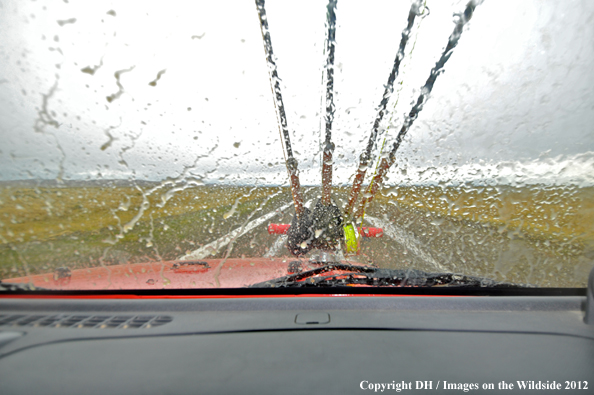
pixel 193 98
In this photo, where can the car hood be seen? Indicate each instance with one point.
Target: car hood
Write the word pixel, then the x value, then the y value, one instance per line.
pixel 209 273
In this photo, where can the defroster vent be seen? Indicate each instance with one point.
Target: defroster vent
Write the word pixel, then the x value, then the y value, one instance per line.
pixel 86 321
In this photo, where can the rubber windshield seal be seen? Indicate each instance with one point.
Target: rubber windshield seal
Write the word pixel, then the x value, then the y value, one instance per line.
pixel 282 292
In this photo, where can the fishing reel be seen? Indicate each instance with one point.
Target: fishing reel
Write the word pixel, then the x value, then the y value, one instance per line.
pixel 321 229
pixel 325 228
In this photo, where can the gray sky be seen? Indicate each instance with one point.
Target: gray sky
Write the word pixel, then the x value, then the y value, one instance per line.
pixel 515 104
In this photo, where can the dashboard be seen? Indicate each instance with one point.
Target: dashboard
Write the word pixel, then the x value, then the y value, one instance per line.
pixel 294 344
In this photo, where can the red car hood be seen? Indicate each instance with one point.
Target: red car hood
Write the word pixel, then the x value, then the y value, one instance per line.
pixel 230 273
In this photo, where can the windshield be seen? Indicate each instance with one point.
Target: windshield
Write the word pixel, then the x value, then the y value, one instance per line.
pixel 253 144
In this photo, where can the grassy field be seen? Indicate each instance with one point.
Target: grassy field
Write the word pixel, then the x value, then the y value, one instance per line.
pixel 547 213
pixel 539 235
pixel 84 226
pixel 43 228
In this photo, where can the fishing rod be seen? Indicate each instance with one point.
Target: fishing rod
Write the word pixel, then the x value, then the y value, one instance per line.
pixel 326 219
pixel 329 118
pixel 322 229
pixel 388 160
pixel 290 161
pixel 366 155
pixel 351 235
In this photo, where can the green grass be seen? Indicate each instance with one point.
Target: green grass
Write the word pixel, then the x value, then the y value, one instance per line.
pixel 44 228
pixel 85 226
pixel 546 213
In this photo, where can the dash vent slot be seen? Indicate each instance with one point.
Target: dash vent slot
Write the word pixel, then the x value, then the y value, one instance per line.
pixel 86 321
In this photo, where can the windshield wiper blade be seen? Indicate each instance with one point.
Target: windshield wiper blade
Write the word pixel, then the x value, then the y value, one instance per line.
pixel 378 277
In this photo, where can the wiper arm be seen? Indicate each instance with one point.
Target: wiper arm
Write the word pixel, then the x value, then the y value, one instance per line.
pixel 371 276
pixel 299 277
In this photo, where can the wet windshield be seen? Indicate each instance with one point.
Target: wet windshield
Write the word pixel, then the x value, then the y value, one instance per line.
pixel 208 144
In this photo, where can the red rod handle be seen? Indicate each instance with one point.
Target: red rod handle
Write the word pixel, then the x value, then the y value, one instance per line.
pixel 371 232
pixel 281 229
pixel 278 229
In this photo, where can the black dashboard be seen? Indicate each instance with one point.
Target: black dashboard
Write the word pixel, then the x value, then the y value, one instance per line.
pixel 295 344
